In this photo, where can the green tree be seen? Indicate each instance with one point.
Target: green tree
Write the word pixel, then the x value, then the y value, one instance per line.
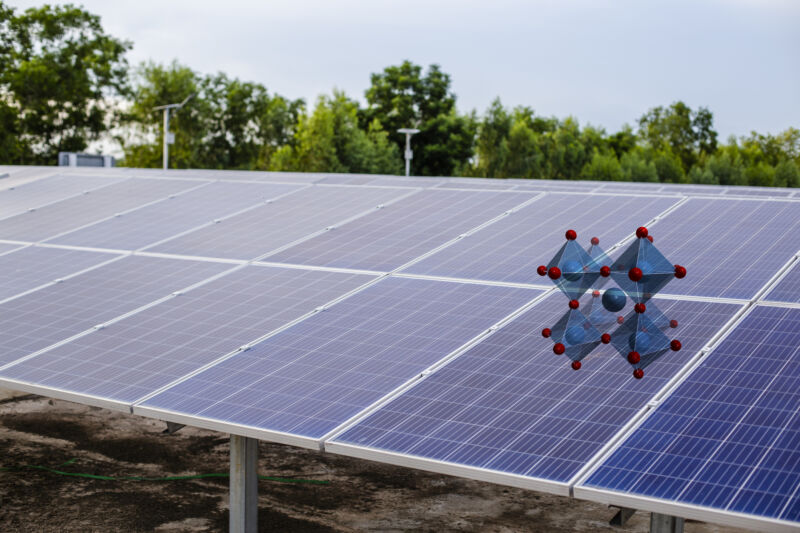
pixel 402 97
pixel 330 140
pixel 59 73
pixel 761 174
pixel 668 166
pixel 787 174
pixel 726 166
pixel 687 134
pixel 604 167
pixel 636 167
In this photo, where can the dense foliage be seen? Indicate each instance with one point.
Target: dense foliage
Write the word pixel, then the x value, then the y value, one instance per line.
pixel 64 83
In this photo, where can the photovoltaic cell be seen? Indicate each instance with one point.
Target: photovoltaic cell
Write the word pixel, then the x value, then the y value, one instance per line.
pixel 511 248
pixel 509 404
pixel 727 437
pixel 5 248
pixel 33 266
pixel 738 191
pixel 37 320
pixel 136 356
pixel 277 224
pixel 95 205
pixel 402 231
pixel 317 374
pixel 731 248
pixel 172 216
pixel 344 179
pixel 787 289
pixel 44 191
pixel 500 186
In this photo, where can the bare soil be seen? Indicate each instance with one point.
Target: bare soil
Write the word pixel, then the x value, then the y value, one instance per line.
pixel 360 496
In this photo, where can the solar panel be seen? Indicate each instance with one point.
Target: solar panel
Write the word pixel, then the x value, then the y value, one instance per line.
pixel 310 378
pixel 402 231
pixel 730 247
pixel 512 248
pixel 269 227
pixel 32 266
pixel 21 198
pixel 788 288
pixel 175 215
pixel 742 191
pixel 131 358
pixel 41 318
pixel 6 248
pixel 726 438
pixel 72 213
pixel 477 185
pixel 344 179
pixel 510 405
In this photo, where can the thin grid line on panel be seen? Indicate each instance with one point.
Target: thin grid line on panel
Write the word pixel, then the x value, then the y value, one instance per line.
pixel 180 213
pixel 46 191
pixel 45 317
pixel 512 248
pixel 403 231
pixel 501 392
pixel 748 381
pixel 128 360
pixel 80 210
pixel 724 256
pixel 324 370
pixel 31 267
pixel 787 289
pixel 270 227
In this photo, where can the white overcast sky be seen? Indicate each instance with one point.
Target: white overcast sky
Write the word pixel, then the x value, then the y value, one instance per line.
pixel 605 63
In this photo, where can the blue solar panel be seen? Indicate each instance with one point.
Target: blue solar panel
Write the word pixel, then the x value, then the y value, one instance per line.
pixel 134 357
pixel 501 185
pixel 34 321
pixel 317 374
pixel 402 231
pixel 6 248
pixel 727 437
pixel 269 227
pixel 33 266
pixel 20 199
pixel 788 288
pixel 72 213
pixel 731 248
pixel 512 248
pixel 172 216
pixel 509 404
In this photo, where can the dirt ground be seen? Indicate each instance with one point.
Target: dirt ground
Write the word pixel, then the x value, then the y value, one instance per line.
pixel 359 496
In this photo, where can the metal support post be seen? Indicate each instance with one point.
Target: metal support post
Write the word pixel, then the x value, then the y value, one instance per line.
pixel 166 138
pixel 244 485
pixel 662 523
pixel 621 518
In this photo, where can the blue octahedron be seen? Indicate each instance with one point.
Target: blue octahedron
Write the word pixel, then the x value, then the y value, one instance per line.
pixel 639 273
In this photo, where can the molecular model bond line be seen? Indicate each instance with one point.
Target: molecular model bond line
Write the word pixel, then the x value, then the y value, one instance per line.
pixel 639 273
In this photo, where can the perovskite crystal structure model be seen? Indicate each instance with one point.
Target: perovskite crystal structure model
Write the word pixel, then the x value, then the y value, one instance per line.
pixel 640 334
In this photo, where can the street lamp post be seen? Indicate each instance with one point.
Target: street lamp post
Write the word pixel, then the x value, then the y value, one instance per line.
pixel 409 154
pixel 169 138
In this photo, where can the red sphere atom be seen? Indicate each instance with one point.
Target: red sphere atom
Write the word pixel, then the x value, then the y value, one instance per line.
pixel 634 357
pixel 558 348
pixel 571 235
pixel 675 345
pixel 546 332
pixel 641 232
pixel 576 365
pixel 574 304
pixel 635 274
pixel 595 241
pixel 595 294
pixel 542 270
pixel 650 238
pixel 673 323
pixel 680 272
pixel 638 373
pixel 605 271
pixel 605 338
pixel 554 272
pixel 620 319
pixel 640 308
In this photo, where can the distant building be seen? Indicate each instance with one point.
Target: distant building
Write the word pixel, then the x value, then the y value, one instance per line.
pixel 71 159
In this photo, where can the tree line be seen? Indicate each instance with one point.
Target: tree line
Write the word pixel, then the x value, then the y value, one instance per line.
pixel 65 83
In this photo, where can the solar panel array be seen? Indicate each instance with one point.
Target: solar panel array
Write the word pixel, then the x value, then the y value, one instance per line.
pixel 398 319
